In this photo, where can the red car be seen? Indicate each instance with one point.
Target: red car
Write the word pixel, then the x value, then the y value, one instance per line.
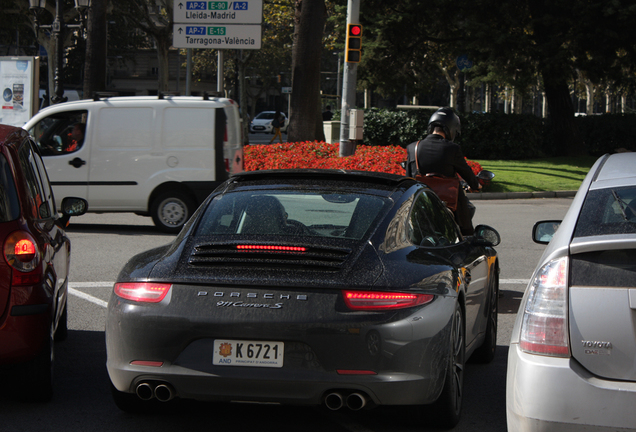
pixel 34 265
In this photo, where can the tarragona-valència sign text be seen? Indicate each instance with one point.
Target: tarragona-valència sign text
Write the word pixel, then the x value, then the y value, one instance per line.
pixel 230 41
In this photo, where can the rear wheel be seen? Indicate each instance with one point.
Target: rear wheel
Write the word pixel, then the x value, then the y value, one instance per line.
pixel 171 210
pixel 447 408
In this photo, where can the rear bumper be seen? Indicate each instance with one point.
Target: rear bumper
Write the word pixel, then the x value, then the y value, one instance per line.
pixel 302 389
pixel 558 394
pixel 23 337
pixel 400 359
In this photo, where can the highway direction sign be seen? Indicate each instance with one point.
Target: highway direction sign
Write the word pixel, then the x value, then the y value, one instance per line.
pixel 218 12
pixel 217 36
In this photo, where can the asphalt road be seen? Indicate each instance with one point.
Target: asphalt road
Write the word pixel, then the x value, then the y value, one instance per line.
pixel 102 243
pixel 263 138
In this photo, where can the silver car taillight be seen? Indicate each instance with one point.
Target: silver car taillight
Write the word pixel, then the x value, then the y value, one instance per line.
pixel 544 329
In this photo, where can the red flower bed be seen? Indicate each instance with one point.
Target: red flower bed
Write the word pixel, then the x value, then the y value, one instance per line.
pixel 322 155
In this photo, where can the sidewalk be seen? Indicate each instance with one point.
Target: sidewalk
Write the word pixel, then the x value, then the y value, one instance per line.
pixel 519 195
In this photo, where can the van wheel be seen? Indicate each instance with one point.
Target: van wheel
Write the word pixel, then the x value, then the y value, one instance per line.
pixel 171 210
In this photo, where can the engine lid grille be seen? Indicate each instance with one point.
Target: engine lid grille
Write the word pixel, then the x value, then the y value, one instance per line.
pixel 270 256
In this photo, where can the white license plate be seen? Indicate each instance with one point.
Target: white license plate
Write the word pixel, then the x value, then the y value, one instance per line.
pixel 248 353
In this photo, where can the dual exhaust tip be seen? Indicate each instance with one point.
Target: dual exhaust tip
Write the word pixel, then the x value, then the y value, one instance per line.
pixel 334 401
pixel 162 392
pixel 354 401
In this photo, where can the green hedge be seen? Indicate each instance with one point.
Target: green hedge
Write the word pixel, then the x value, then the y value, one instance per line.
pixel 502 136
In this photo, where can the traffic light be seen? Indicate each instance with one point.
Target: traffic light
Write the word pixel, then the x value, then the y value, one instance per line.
pixel 353 43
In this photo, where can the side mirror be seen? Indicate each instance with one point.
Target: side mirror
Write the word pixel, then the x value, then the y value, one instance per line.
pixel 543 231
pixel 72 206
pixel 485 175
pixel 488 235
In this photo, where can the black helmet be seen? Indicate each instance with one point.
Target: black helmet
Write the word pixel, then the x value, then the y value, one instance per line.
pixel 447 120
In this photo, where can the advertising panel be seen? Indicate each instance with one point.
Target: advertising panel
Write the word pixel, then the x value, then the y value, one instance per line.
pixel 18 79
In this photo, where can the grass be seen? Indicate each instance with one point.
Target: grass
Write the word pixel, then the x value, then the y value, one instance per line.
pixel 553 174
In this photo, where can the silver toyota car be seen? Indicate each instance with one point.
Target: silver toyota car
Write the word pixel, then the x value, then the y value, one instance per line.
pixel 572 360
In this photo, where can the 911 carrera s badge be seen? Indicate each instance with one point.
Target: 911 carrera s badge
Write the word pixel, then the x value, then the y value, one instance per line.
pixel 249 305
pixel 225 350
pixel 252 295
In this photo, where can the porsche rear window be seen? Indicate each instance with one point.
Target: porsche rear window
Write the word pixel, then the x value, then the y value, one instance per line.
pixel 9 204
pixel 608 211
pixel 314 214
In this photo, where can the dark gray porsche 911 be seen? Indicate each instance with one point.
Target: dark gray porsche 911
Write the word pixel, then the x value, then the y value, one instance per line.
pixel 348 289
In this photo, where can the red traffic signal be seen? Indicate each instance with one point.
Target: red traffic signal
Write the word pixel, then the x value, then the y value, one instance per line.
pixel 353 43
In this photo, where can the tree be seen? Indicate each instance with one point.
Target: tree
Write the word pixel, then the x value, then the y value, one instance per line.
pixel 16 32
pixel 96 47
pixel 22 18
pixel 305 122
pixel 553 38
pixel 155 19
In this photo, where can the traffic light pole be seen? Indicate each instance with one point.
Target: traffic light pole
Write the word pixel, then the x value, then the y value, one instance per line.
pixel 349 79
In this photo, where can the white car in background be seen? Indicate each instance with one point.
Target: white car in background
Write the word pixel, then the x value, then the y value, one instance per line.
pixel 262 122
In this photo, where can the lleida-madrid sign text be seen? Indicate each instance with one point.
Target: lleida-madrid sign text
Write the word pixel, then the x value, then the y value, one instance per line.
pixel 218 24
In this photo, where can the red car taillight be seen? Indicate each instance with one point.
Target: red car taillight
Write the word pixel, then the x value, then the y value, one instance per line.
pixel 145 292
pixel 22 254
pixel 376 300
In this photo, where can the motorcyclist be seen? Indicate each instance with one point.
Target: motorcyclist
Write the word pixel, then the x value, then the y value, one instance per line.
pixel 438 154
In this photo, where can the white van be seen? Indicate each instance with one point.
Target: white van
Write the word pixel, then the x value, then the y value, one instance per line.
pixel 159 156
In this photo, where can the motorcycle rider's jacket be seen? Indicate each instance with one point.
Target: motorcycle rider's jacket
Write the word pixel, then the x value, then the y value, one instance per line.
pixel 440 156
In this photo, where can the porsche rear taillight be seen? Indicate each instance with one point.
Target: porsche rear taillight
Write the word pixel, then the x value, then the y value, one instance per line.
pixel 22 254
pixel 144 292
pixel 544 329
pixel 376 300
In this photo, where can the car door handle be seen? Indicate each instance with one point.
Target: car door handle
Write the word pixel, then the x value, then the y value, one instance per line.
pixel 77 162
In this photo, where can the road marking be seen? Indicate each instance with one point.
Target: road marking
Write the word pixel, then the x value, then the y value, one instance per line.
pixel 514 281
pixel 72 289
pixel 87 297
pixel 90 284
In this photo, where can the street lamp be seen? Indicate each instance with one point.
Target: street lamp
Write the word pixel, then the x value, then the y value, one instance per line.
pixel 57 29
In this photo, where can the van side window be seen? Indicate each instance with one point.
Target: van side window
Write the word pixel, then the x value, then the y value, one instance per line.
pixel 60 133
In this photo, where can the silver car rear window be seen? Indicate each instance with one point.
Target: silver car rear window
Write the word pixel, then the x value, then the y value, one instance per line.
pixel 9 204
pixel 608 211
pixel 299 213
pixel 609 268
